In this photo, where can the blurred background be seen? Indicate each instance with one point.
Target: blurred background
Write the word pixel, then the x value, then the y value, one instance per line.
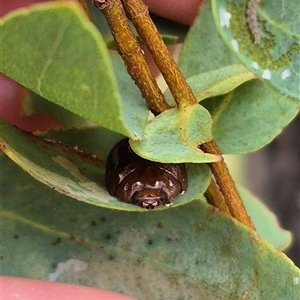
pixel 273 175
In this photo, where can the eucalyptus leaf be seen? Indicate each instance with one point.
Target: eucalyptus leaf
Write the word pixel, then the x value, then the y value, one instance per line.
pixel 217 82
pixel 189 252
pixel 96 140
pixel 203 49
pixel 275 59
pixel 242 121
pixel 65 60
pixel 174 137
pixel 249 117
pixel 33 103
pixel 265 221
pixel 78 174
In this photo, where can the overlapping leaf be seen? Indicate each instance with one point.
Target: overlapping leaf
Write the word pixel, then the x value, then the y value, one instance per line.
pixel 275 59
pixel 78 174
pixel 49 236
pixel 249 117
pixel 203 49
pixel 65 60
pixel 174 136
pixel 242 118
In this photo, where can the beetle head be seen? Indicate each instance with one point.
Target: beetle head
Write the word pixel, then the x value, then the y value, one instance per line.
pixel 150 198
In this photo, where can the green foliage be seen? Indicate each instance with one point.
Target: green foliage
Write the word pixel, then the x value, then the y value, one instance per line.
pixel 242 121
pixel 72 66
pixel 74 78
pixel 275 59
pixel 169 136
pixel 78 175
pixel 208 255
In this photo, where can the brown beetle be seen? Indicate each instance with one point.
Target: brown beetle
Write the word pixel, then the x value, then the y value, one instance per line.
pixel 134 179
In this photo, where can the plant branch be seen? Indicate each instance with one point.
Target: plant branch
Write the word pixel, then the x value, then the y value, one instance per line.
pixel 227 186
pixel 132 54
pixel 182 93
pixel 214 197
pixel 138 12
pixel 85 8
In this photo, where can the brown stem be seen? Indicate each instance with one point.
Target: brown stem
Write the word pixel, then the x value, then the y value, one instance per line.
pixel 138 12
pixel 183 95
pixel 85 8
pixel 227 186
pixel 138 69
pixel 214 197
pixel 132 54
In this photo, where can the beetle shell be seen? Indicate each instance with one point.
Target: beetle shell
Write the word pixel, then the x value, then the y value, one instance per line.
pixel 134 179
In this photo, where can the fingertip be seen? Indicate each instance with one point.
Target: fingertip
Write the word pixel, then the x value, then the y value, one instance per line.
pixel 32 289
pixel 179 11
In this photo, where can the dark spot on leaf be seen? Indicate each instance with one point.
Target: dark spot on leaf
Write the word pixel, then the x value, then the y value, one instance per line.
pixel 108 236
pixel 169 239
pixel 160 225
pixel 150 242
pixel 94 223
pixel 16 236
pixel 57 241
pixel 111 257
pixel 102 219
pixel 54 265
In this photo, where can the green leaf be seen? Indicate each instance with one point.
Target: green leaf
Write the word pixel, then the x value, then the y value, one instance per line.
pixel 203 48
pixel 189 252
pixel 249 117
pixel 242 121
pixel 174 136
pixel 265 221
pixel 215 83
pixel 276 58
pixel 218 82
pixel 95 140
pixel 78 174
pixel 65 60
pixel 34 103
